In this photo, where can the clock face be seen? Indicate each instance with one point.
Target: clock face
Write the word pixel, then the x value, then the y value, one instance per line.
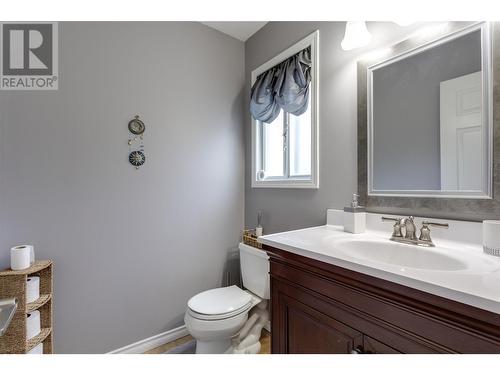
pixel 136 126
pixel 137 158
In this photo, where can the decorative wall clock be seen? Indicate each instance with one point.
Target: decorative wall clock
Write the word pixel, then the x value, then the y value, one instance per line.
pixel 137 158
pixel 136 155
pixel 136 126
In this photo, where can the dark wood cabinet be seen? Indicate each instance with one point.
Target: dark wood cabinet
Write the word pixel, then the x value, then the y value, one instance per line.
pixel 310 331
pixel 317 307
pixel 372 346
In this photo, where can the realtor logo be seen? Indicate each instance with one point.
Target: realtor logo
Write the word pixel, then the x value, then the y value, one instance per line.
pixel 29 56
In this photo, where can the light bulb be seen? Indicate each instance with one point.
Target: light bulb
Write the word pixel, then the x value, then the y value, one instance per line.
pixel 356 35
pixel 404 23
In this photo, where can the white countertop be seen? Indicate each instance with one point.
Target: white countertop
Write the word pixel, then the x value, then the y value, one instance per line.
pixel 477 285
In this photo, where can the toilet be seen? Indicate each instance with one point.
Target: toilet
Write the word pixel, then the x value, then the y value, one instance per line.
pixel 215 316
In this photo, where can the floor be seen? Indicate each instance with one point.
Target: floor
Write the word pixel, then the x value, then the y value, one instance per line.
pixel 265 341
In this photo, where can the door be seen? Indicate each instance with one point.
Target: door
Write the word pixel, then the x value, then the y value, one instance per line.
pixel 461 133
pixel 372 346
pixel 305 330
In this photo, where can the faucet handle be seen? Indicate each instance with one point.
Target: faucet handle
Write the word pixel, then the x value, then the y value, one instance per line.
pixel 397 225
pixel 438 225
pixel 425 232
pixel 396 219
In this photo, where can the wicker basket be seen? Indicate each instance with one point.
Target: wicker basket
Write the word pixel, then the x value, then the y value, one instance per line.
pixel 249 238
pixel 13 285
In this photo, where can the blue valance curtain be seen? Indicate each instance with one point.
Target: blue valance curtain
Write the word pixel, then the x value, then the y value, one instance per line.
pixel 285 86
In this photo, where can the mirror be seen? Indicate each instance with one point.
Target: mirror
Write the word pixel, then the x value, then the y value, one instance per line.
pixel 430 119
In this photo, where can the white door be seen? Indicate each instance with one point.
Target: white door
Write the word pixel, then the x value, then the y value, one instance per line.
pixel 461 133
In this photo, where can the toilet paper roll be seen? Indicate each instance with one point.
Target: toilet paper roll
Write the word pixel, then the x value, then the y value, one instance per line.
pixel 33 324
pixel 20 257
pixel 491 237
pixel 37 349
pixel 32 254
pixel 32 289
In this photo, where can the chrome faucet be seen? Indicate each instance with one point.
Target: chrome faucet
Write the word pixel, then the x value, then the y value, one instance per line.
pixel 409 225
pixel 409 237
pixel 425 232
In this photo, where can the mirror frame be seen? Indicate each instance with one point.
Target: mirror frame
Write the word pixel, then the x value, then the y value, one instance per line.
pixel 443 204
pixel 487 115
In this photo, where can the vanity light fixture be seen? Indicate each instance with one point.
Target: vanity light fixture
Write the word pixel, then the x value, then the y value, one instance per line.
pixel 430 31
pixel 404 23
pixel 356 35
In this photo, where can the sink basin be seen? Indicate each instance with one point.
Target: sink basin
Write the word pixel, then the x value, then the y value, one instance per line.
pixel 397 254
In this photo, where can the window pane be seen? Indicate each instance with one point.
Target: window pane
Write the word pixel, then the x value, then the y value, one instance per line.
pixel 273 147
pixel 300 144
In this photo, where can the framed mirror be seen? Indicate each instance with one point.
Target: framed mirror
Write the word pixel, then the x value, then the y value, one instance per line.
pixel 430 119
pixel 429 124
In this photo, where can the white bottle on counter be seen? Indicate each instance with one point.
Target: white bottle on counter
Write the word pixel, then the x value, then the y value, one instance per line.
pixel 354 217
pixel 259 231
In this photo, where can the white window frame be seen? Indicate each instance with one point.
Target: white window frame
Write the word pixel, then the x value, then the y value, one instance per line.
pixel 300 182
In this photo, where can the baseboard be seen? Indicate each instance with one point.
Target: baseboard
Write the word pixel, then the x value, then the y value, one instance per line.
pixel 152 342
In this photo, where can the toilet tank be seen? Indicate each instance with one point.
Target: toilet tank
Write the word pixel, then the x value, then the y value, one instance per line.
pixel 255 270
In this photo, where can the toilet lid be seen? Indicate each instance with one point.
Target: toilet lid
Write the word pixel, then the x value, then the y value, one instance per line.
pixel 219 301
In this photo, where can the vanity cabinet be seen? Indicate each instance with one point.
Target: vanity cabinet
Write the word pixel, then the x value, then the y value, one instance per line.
pixel 310 331
pixel 317 307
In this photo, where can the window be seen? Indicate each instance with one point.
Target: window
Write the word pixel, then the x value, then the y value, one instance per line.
pixel 285 151
pixel 286 147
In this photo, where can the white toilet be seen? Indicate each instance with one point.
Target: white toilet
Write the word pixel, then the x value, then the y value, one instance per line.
pixel 215 316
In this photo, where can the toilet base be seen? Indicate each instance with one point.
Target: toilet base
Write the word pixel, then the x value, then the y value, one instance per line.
pixel 212 347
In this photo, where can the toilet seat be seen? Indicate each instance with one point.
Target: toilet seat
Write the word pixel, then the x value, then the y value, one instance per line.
pixel 219 300
pixel 239 311
pixel 221 303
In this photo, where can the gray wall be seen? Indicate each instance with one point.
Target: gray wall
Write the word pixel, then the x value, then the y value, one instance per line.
pixel 406 112
pixel 130 246
pixel 285 209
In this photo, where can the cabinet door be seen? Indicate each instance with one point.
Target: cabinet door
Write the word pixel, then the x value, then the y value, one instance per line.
pixel 304 330
pixel 372 346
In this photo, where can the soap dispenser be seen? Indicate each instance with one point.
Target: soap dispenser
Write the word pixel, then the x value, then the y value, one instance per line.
pixel 354 217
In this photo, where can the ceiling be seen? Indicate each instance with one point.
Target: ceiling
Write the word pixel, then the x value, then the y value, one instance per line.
pixel 241 30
